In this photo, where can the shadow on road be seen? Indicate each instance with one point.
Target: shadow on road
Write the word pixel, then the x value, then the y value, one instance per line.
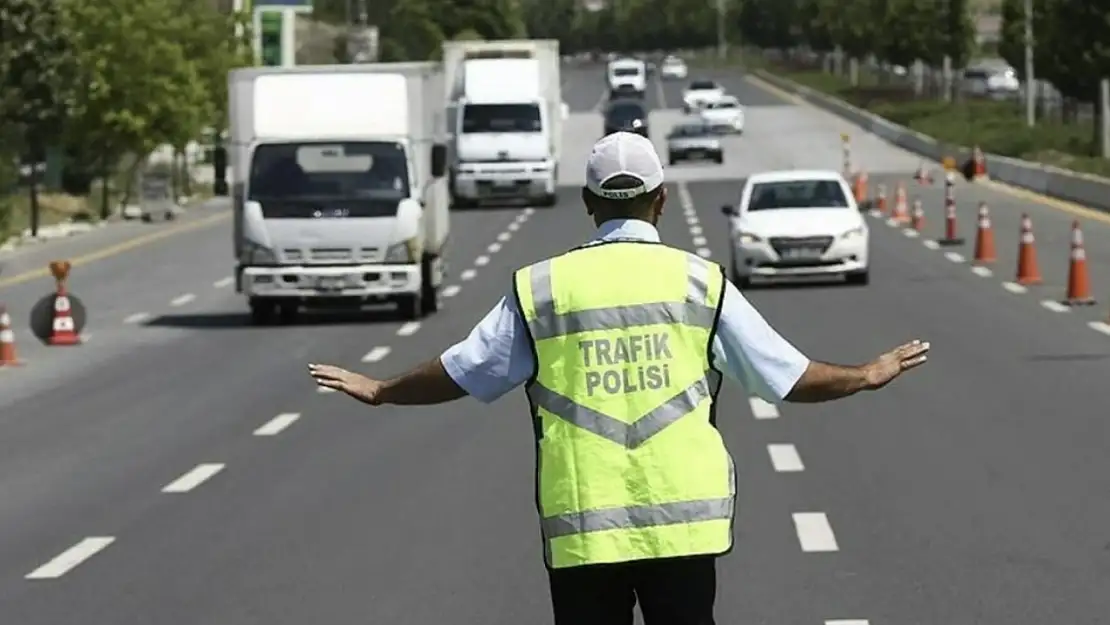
pixel 241 320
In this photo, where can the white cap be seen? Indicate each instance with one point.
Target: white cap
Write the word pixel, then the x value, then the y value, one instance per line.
pixel 623 154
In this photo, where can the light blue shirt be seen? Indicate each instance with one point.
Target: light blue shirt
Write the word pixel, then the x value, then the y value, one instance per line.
pixel 497 356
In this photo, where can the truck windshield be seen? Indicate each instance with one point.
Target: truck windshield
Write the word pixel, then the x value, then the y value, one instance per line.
pixel 370 170
pixel 479 118
pixel 626 71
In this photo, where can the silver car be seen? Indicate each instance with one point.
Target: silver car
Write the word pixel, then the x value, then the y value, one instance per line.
pixel 694 141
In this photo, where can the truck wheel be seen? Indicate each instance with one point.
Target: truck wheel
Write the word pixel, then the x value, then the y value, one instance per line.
pixel 411 307
pixel 288 313
pixel 429 292
pixel 262 311
pixel 549 200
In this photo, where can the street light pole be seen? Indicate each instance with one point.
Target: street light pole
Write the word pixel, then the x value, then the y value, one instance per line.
pixel 1030 77
pixel 722 44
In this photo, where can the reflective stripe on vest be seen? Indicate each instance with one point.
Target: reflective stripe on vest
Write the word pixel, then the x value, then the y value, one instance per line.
pixel 693 467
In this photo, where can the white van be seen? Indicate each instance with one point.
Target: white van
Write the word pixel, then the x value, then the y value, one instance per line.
pixel 627 76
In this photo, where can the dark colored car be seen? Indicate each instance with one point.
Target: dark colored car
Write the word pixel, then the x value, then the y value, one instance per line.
pixel 626 115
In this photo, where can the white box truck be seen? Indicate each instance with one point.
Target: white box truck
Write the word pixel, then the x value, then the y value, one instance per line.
pixel 505 109
pixel 339 186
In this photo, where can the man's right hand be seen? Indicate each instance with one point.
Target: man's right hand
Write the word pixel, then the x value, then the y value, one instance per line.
pixel 892 364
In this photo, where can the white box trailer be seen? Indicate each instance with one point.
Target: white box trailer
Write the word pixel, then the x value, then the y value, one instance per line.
pixel 338 186
pixel 516 171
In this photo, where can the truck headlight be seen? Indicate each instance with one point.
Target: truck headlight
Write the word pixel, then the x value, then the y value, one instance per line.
pixel 403 252
pixel 255 254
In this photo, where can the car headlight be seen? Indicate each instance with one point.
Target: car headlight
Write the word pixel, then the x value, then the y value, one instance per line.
pixel 747 238
pixel 403 252
pixel 255 254
pixel 854 233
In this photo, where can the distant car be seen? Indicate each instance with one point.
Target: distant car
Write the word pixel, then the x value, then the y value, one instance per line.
pixel 694 141
pixel 724 115
pixel 628 115
pixel 797 223
pixel 627 76
pixel 699 94
pixel 673 68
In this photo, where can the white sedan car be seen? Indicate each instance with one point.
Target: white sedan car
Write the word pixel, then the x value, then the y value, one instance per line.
pixel 673 68
pixel 724 115
pixel 797 224
pixel 699 94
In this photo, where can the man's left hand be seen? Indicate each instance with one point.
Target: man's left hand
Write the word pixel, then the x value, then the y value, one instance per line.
pixel 354 384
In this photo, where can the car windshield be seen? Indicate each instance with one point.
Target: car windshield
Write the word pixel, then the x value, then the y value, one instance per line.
pixel 702 85
pixel 691 130
pixel 351 170
pixel 724 104
pixel 797 194
pixel 488 118
pixel 626 71
pixel 625 113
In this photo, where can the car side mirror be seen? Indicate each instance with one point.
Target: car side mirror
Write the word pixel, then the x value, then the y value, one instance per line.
pixel 439 160
pixel 729 210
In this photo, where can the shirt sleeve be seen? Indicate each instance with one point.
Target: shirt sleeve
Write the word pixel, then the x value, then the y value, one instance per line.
pixel 748 350
pixel 495 358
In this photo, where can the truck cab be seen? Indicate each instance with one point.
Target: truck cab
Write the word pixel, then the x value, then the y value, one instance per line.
pixel 627 77
pixel 338 188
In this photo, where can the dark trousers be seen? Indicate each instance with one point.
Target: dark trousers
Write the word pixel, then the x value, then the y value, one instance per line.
pixel 678 591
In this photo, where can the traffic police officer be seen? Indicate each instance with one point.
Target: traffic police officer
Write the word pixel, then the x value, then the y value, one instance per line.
pixel 622 344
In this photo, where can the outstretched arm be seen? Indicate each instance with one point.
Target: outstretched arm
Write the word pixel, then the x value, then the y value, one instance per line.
pixel 825 382
pixel 425 385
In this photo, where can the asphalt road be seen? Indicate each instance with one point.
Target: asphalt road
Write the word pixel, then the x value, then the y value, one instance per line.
pixel 972 491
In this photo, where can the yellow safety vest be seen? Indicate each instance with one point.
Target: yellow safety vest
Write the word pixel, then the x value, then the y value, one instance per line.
pixel 629 464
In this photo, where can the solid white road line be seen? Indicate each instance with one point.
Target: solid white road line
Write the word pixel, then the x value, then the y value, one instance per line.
pixel 785 458
pixel 452 290
pixel 193 478
pixel 137 318
pixel 408 329
pixel 504 236
pixel 851 621
pixel 71 558
pixel 376 354
pixel 814 532
pixel 982 272
pixel 181 300
pixel 275 426
pixel 1014 288
pixel 763 409
pixel 1055 306
pixel 954 257
pixel 481 261
pixel 468 274
pixel 224 282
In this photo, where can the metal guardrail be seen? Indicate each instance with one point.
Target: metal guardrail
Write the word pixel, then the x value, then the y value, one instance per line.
pixel 1086 189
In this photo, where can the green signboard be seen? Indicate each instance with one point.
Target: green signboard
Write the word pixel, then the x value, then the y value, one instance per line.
pixel 271 37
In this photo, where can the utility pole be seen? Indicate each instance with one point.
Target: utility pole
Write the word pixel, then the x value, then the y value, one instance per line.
pixel 722 44
pixel 1030 76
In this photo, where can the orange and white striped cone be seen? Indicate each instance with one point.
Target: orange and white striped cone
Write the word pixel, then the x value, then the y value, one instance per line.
pixel 8 357
pixel 918 216
pixel 1028 270
pixel 1079 281
pixel 901 213
pixel 64 330
pixel 985 252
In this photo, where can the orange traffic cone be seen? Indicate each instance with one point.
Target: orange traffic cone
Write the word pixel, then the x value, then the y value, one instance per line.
pixel 1079 283
pixel 901 212
pixel 978 164
pixel 984 238
pixel 880 199
pixel 918 222
pixel 8 357
pixel 1028 271
pixel 64 330
pixel 922 175
pixel 860 189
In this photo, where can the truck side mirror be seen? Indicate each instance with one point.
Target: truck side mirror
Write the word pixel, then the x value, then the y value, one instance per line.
pixel 728 210
pixel 439 160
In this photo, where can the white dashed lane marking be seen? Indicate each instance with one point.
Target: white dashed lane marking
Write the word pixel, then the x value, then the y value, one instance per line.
pixel 324 389
pixel 138 318
pixel 763 409
pixel 468 274
pixel 851 621
pixel 695 230
pixel 71 558
pixel 700 241
pixel 982 272
pixel 815 535
pixel 223 282
pixel 1100 326
pixel 704 252
pixel 408 329
pixel 197 476
pixel 931 244
pixel 181 300
pixel 785 458
pixel 481 261
pixel 376 354
pixel 954 257
pixel 1014 288
pixel 493 248
pixel 451 291
pixel 278 424
pixel 513 227
pixel 504 236
pixel 1055 306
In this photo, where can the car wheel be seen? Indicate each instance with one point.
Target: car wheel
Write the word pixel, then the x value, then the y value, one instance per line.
pixel 719 159
pixel 671 160
pixel 741 282
pixel 859 278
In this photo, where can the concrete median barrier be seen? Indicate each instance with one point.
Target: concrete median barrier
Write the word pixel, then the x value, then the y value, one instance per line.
pixel 1085 189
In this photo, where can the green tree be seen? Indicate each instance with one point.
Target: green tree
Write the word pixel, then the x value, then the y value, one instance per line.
pixel 909 31
pixel 36 80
